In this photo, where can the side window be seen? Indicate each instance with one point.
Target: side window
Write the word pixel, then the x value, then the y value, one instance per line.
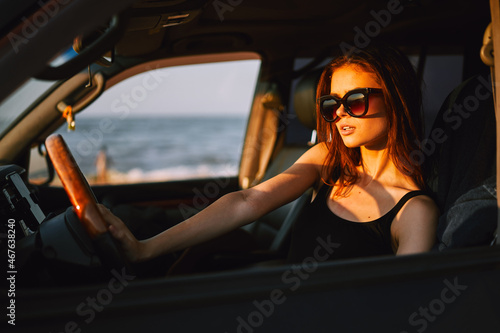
pixel 442 73
pixel 168 123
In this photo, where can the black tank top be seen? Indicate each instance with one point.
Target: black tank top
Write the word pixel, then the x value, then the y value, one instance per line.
pixel 319 232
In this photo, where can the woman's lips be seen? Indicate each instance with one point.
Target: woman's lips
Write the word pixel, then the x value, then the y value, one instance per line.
pixel 346 129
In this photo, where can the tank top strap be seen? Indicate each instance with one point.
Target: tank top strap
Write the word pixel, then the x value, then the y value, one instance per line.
pixel 392 213
pixel 389 216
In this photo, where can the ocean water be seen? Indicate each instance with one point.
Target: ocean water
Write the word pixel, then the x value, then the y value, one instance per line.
pixel 157 149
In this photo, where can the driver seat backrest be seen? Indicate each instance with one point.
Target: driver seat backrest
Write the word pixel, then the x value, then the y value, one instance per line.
pixel 462 145
pixel 272 230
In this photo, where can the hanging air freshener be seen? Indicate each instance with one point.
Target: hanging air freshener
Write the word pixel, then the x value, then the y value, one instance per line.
pixel 70 118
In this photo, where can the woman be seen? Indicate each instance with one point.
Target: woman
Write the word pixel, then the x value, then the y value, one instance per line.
pixel 368 124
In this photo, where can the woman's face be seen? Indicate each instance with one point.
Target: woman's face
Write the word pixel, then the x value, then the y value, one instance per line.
pixel 369 131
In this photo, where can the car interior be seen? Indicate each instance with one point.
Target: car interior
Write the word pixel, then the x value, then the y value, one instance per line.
pixel 86 49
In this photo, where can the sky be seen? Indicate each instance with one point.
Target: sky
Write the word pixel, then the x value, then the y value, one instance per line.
pixel 225 88
pixel 215 88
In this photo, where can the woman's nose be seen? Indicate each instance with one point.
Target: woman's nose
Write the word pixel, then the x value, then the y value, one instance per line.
pixel 341 112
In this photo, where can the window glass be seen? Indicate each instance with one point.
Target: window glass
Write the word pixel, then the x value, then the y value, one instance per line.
pixel 442 73
pixel 20 100
pixel 169 123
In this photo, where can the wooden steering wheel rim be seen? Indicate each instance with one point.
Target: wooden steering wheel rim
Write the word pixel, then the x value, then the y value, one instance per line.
pixel 81 196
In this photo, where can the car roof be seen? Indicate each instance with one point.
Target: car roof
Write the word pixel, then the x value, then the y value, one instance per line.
pixel 306 28
pixel 278 30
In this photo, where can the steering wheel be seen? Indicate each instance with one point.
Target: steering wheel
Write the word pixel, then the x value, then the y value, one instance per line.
pixel 84 202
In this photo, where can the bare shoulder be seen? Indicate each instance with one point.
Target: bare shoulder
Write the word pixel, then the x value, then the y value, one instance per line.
pixel 420 205
pixel 316 154
pixel 417 210
pixel 314 158
pixel 309 165
pixel 414 228
pixel 289 184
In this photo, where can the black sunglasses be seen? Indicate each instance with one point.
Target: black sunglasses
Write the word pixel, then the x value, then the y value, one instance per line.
pixel 355 103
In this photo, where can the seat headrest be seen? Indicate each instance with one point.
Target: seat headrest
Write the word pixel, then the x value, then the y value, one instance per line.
pixel 304 98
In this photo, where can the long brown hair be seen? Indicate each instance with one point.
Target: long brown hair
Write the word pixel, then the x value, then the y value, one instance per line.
pixel 403 100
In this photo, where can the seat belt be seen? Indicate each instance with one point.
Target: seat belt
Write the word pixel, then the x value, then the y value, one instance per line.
pixel 263 135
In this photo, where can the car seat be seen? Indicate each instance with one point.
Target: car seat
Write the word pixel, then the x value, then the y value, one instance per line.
pixel 462 156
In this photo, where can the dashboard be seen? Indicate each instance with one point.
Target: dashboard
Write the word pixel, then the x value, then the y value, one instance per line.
pixel 45 248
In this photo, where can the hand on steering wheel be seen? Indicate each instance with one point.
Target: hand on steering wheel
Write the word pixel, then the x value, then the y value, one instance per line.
pixel 84 202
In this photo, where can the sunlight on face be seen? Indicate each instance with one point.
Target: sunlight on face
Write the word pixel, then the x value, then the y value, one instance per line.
pixel 369 131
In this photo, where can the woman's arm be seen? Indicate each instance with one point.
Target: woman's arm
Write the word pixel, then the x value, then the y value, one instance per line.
pixel 231 211
pixel 415 228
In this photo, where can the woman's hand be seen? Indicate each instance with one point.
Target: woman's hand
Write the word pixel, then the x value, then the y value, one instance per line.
pixel 133 249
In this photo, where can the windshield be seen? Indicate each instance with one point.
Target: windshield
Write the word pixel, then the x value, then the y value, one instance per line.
pixel 14 106
pixel 168 123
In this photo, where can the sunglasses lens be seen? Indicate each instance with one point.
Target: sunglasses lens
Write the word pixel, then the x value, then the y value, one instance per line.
pixel 329 108
pixel 357 104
